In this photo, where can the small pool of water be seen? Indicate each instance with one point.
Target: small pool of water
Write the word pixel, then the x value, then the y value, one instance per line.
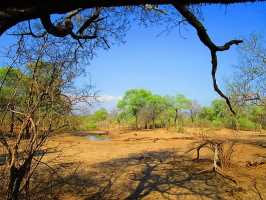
pixel 98 137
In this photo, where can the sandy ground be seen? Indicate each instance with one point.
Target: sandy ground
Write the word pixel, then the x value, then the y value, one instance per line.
pixel 153 164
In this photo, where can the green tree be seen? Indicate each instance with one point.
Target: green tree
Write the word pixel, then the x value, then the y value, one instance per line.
pixel 218 114
pixel 257 114
pixel 156 105
pixel 179 103
pixel 10 82
pixel 100 115
pixel 133 101
pixel 12 92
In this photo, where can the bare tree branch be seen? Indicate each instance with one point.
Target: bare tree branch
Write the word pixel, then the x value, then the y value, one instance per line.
pixel 59 30
pixel 89 21
pixel 206 40
pixel 15 11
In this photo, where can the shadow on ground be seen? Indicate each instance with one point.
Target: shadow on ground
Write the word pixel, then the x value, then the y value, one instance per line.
pixel 151 175
pixel 39 153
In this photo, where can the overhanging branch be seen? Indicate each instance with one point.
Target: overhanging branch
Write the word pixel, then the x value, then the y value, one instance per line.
pixel 88 22
pixel 206 40
pixel 61 30
pixel 13 12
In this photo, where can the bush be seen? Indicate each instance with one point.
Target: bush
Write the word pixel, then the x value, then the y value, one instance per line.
pixel 180 129
pixel 246 124
pixel 90 126
pixel 203 123
pixel 217 123
pixel 231 122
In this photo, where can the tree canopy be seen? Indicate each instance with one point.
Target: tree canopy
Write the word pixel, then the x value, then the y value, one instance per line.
pixel 15 11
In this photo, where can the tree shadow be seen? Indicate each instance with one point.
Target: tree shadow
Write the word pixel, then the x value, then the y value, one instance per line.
pixel 39 153
pixel 258 142
pixel 155 174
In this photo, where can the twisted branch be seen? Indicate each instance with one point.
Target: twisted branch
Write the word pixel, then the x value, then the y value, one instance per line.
pixel 206 40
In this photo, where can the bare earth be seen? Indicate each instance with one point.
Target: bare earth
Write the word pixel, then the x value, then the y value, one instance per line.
pixel 151 165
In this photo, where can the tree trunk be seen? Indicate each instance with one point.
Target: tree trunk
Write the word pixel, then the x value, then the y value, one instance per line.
pixel 136 122
pixel 27 132
pixel 169 124
pixel 12 123
pixel 215 157
pixel 176 116
pixel 16 177
pixel 191 116
pixel 15 180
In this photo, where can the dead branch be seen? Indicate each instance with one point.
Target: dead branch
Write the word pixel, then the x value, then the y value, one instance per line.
pixel 14 12
pixel 213 48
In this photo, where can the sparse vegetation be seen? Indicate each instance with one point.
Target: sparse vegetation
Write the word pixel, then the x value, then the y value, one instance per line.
pixel 150 146
pixel 141 109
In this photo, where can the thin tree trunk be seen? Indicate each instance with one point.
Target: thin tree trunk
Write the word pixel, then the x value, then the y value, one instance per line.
pixel 16 177
pixel 12 123
pixel 176 116
pixel 191 116
pixel 136 122
pixel 215 157
pixel 14 183
pixel 27 133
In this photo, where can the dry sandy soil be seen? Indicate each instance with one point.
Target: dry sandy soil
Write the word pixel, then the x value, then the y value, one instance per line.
pixel 151 165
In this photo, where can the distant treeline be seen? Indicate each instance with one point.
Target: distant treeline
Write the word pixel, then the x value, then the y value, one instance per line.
pixel 141 109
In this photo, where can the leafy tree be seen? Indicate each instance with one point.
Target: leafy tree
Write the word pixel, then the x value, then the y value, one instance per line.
pixel 37 101
pixel 12 92
pixel 219 108
pixel 179 103
pixel 257 114
pixel 156 105
pixel 168 114
pixel 100 115
pixel 10 77
pixel 133 101
pixel 206 113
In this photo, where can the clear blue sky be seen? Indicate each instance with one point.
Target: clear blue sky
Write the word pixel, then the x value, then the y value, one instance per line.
pixel 169 63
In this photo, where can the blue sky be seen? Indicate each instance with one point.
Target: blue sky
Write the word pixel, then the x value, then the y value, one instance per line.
pixel 170 64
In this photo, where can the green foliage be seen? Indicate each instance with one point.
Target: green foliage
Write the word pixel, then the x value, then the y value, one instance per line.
pixel 181 102
pixel 218 113
pixel 155 106
pixel 143 109
pixel 218 123
pixel 250 117
pixel 207 113
pixel 100 115
pixel 246 124
pixel 89 122
pixel 220 110
pixel 13 83
pixel 39 86
pixel 134 100
pixel 151 110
